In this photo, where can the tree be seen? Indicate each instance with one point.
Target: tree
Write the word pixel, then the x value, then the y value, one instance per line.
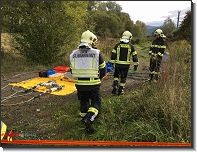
pixel 101 6
pixel 92 5
pixel 125 18
pixel 168 26
pixel 106 24
pixel 113 6
pixel 143 28
pixel 185 28
pixel 139 29
pixel 106 20
pixel 136 31
pixel 41 28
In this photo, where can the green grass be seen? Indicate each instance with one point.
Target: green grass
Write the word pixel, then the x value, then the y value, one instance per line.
pixel 144 57
pixel 142 116
pixel 18 63
pixel 145 50
pixel 158 113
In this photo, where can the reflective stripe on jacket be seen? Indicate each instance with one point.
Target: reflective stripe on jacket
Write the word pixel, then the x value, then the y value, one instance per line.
pixel 85 66
pixel 158 47
pixel 85 63
pixel 122 52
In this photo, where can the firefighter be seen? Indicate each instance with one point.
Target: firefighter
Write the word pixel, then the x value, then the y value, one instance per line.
pixel 120 58
pixel 88 68
pixel 156 53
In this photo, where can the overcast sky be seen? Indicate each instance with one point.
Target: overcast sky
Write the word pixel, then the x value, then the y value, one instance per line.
pixel 155 12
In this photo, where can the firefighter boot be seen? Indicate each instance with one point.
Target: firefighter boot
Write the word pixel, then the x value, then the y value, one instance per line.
pixel 88 124
pixel 115 87
pixel 121 90
pixel 150 78
pixel 156 79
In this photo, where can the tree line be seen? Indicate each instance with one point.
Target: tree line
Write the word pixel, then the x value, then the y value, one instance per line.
pixel 43 29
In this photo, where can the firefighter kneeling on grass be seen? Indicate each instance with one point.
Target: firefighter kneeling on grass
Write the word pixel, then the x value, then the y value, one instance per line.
pixel 120 57
pixel 88 68
pixel 156 53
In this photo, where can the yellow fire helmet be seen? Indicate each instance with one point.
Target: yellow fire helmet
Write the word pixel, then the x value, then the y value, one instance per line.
pixel 88 39
pixel 94 40
pixel 159 32
pixel 126 36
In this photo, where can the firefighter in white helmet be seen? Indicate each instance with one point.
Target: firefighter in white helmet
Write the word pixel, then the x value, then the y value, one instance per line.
pixel 88 68
pixel 120 57
pixel 156 53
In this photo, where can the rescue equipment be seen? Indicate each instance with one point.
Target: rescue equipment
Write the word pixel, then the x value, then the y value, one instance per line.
pixel 55 88
pixel 46 73
pixel 61 69
pixel 109 66
pixel 50 72
pixel 69 85
pixel 50 83
pixel 43 74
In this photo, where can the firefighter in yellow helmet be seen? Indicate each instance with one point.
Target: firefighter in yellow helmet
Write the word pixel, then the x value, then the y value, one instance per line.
pixel 88 68
pixel 156 53
pixel 120 57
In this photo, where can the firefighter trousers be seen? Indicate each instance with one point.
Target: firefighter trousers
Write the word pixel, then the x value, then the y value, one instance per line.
pixel 154 68
pixel 121 73
pixel 89 109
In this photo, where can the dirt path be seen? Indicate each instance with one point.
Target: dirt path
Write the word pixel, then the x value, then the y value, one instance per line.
pixel 36 116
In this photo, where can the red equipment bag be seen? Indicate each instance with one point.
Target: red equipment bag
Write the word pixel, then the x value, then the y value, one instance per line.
pixel 61 69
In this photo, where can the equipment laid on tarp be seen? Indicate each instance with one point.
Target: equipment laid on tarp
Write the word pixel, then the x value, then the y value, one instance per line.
pixel 50 81
pixel 57 84
pixel 49 84
pixel 40 84
pixel 46 73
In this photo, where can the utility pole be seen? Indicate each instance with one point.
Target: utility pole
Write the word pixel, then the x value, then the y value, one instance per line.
pixel 178 20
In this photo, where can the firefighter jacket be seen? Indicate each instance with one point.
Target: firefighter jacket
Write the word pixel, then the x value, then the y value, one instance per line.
pixel 158 47
pixel 87 66
pixel 121 55
pixel 3 129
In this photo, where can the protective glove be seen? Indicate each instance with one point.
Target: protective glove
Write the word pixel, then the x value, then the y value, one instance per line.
pixel 135 67
pixel 150 54
pixel 153 56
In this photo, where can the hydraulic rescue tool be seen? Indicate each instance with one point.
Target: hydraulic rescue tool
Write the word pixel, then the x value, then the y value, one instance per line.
pixel 49 84
pixel 55 88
